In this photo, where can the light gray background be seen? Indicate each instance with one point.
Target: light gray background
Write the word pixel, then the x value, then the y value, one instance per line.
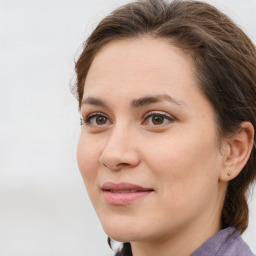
pixel 44 209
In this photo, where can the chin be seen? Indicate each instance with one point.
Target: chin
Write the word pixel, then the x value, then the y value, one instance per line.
pixel 123 233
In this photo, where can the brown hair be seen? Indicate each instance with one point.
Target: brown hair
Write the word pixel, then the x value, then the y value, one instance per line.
pixel 225 60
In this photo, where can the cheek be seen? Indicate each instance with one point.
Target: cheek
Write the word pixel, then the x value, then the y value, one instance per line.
pixel 87 158
pixel 186 175
pixel 183 161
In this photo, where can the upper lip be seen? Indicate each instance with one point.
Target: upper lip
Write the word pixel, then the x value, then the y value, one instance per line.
pixel 110 186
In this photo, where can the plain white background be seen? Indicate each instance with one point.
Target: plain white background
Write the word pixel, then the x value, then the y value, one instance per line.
pixel 44 209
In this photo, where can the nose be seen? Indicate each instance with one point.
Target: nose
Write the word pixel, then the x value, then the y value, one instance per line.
pixel 120 150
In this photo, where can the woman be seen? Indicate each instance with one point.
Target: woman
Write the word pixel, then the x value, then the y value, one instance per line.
pixel 167 92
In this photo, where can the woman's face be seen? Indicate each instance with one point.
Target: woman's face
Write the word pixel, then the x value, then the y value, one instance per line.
pixel 148 149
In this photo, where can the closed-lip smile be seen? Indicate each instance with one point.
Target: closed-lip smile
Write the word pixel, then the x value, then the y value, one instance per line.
pixel 123 193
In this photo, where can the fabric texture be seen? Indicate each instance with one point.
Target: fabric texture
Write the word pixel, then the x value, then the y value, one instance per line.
pixel 227 242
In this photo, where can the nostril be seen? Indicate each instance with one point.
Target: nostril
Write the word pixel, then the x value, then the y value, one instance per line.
pixel 116 160
pixel 123 164
pixel 118 165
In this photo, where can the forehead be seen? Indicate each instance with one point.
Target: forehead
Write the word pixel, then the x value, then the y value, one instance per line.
pixel 136 60
pixel 134 68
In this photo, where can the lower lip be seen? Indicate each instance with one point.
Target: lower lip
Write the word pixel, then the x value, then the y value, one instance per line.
pixel 123 198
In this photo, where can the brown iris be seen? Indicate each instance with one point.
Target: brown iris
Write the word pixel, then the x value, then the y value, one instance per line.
pixel 101 120
pixel 157 119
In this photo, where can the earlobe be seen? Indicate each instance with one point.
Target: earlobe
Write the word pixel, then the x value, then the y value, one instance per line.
pixel 239 147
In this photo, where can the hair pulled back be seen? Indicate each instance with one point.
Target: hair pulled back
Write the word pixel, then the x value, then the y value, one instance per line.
pixel 225 61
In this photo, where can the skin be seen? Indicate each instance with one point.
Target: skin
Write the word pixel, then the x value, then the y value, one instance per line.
pixel 179 157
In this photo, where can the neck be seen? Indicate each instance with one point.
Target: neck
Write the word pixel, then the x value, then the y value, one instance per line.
pixel 181 244
pixel 184 241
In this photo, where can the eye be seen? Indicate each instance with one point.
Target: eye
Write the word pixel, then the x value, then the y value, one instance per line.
pixel 157 118
pixel 96 119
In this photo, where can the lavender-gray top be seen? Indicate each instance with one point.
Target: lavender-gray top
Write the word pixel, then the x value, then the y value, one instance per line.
pixel 227 242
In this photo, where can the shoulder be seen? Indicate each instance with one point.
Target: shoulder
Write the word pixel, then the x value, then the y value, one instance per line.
pixel 226 242
pixel 235 246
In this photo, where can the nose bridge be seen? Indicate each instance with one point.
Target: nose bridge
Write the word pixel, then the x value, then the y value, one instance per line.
pixel 120 148
pixel 120 135
pixel 119 140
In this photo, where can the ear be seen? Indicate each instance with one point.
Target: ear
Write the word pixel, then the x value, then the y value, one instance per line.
pixel 238 148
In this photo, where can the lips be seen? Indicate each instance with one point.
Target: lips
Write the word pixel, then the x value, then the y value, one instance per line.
pixel 123 193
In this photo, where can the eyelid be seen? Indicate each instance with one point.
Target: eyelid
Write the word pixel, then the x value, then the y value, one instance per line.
pixel 164 114
pixel 93 114
pixel 88 117
pixel 160 113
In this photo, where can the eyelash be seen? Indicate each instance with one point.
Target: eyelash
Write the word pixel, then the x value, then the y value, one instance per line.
pixel 159 114
pixel 87 120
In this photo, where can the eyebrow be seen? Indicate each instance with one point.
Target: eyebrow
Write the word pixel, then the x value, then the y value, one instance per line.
pixel 147 100
pixel 94 101
pixel 140 102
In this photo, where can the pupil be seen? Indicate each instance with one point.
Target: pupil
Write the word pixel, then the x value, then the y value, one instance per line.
pixel 101 120
pixel 158 120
